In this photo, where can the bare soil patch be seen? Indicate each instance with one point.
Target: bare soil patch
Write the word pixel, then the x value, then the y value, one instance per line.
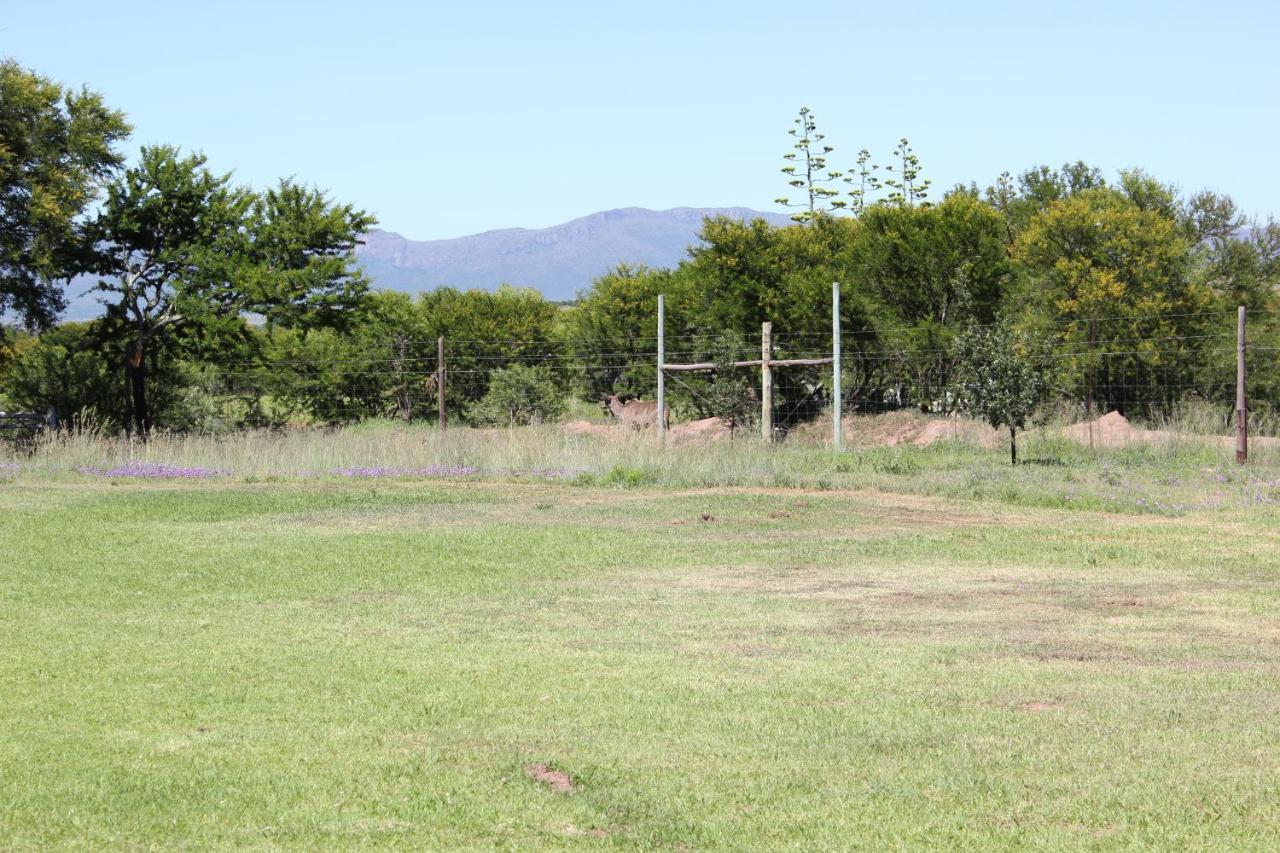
pixel 1037 706
pixel 557 780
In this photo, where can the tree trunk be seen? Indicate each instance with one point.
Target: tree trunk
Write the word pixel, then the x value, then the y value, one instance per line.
pixel 135 369
pixel 1013 446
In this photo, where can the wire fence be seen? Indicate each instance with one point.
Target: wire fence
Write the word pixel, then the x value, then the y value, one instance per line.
pixel 1094 368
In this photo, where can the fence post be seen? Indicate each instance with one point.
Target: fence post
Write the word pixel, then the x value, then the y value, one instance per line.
pixel 837 436
pixel 440 379
pixel 766 381
pixel 1242 402
pixel 662 376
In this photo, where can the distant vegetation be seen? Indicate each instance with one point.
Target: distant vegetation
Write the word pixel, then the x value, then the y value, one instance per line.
pixel 229 307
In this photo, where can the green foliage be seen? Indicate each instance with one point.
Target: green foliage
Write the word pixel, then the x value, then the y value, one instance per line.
pixel 727 392
pixel 927 271
pixel 1102 275
pixel 625 477
pixel 72 369
pixel 57 146
pixel 173 251
pixel 186 250
pixel 518 395
pixel 63 369
pixel 1019 199
pixel 302 272
pixel 384 363
pixel 612 330
pixel 1000 378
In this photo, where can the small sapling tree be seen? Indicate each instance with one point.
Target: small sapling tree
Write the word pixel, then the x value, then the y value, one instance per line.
pixel 1000 377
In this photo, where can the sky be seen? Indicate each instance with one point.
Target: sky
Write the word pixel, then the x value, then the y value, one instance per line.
pixel 445 119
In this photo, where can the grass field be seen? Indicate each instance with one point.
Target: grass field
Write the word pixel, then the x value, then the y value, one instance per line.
pixel 345 662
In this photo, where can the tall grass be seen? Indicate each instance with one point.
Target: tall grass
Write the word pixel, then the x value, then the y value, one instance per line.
pixel 1163 472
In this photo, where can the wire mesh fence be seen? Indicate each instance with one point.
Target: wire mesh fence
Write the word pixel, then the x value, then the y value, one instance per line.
pixel 1144 368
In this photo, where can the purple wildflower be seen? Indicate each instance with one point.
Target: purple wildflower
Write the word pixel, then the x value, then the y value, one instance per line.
pixel 369 471
pixel 546 473
pixel 151 471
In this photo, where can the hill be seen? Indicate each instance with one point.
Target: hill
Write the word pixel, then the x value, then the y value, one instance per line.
pixel 559 261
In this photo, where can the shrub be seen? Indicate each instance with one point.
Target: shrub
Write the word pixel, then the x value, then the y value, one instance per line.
pixel 518 395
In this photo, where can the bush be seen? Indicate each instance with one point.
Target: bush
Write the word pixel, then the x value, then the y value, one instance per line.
pixel 65 370
pixel 626 477
pixel 518 396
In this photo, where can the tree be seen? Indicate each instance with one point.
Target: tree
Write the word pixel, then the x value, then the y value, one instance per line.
pixel 1000 379
pixel 1020 199
pixel 302 248
pixel 928 272
pixel 611 331
pixel 172 242
pixel 727 392
pixel 57 146
pixel 180 248
pixel 807 169
pixel 1115 283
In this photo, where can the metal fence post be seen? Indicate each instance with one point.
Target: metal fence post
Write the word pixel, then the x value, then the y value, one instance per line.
pixel 662 376
pixel 766 381
pixel 440 379
pixel 1242 401
pixel 837 429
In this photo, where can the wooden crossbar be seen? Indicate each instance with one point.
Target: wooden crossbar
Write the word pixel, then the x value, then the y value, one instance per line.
pixel 711 365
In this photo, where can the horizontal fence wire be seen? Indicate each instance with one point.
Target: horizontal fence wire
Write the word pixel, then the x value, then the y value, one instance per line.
pixel 1094 365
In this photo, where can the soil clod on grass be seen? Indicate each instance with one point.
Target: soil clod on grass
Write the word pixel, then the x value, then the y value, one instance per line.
pixel 1038 706
pixel 557 780
pixel 706 516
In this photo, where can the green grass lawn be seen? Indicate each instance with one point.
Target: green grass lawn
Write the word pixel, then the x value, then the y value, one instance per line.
pixel 338 664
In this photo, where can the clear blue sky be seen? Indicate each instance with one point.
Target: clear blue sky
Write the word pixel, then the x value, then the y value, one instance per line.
pixel 450 118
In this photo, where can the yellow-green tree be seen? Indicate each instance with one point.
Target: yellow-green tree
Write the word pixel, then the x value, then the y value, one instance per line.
pixel 57 147
pixel 1112 283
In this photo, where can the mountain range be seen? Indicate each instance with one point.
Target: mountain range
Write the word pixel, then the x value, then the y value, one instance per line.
pixel 559 261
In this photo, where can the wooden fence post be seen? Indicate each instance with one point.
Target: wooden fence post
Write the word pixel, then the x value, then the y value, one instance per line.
pixel 766 382
pixel 440 379
pixel 1242 401
pixel 662 376
pixel 837 428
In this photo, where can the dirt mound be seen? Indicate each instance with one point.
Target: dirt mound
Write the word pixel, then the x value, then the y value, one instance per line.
pixel 953 429
pixel 556 780
pixel 1110 430
pixel 707 429
pixel 913 428
pixel 587 428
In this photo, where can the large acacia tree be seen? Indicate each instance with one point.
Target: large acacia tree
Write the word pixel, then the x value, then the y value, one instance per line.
pixel 182 248
pixel 57 146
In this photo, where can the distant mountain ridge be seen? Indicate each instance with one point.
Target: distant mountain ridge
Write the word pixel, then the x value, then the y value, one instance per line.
pixel 559 261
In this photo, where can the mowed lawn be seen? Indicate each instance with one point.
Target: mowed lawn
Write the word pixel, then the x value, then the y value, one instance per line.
pixel 335 664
